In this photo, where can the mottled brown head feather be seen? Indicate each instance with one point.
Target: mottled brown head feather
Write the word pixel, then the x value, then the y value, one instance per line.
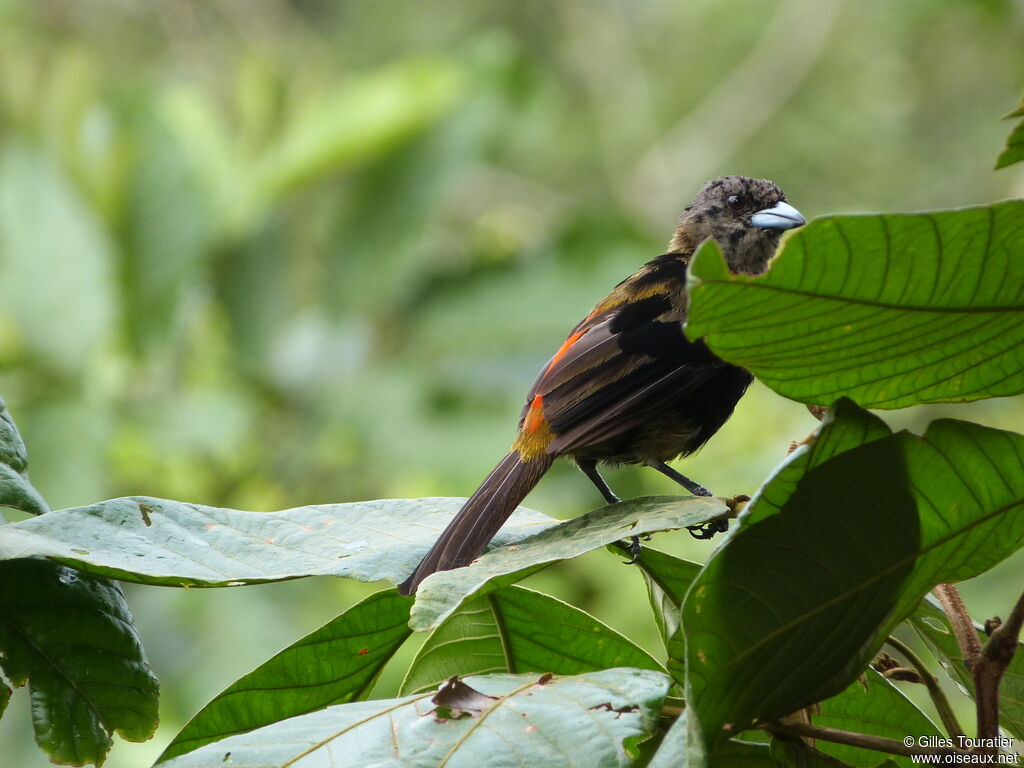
pixel 747 248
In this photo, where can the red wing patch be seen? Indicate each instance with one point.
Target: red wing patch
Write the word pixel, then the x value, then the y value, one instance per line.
pixel 565 347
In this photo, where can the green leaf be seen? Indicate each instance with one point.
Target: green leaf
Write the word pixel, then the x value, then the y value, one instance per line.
pixel 792 607
pixel 519 630
pixel 844 427
pixel 591 721
pixel 1014 151
pixel 442 593
pixel 874 706
pixel 933 627
pixel 63 307
pixel 15 489
pixel 668 578
pixel 71 637
pixel 171 543
pixel 890 310
pixel 788 601
pixel 335 664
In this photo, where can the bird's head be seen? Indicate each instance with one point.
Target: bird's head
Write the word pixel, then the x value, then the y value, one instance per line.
pixel 745 216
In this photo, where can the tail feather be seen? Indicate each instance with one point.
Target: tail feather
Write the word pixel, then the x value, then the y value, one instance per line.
pixel 480 517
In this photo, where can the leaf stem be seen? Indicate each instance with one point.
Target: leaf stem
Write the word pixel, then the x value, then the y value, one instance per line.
pixel 938 696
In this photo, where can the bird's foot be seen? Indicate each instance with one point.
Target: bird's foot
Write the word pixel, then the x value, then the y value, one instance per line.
pixel 634 548
pixel 709 529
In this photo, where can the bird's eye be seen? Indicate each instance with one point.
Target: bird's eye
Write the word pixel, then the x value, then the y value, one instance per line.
pixel 735 202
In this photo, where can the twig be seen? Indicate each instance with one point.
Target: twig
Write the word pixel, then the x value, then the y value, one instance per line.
pixel 938 696
pixel 988 670
pixel 863 740
pixel 961 623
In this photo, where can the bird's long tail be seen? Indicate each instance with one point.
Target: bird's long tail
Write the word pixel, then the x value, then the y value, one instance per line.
pixel 480 517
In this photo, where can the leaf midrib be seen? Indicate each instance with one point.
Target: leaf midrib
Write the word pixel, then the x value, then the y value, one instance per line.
pixel 865 302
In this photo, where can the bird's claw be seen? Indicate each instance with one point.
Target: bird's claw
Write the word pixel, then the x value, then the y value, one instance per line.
pixel 709 529
pixel 634 550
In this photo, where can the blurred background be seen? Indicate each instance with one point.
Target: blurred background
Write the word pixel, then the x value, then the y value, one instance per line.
pixel 267 253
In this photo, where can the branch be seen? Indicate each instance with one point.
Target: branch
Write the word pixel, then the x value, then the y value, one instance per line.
pixel 863 740
pixel 988 670
pixel 938 696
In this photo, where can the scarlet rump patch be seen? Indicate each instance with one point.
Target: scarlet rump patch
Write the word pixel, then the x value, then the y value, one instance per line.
pixel 534 416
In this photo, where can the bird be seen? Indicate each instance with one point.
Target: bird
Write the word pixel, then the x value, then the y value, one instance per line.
pixel 627 386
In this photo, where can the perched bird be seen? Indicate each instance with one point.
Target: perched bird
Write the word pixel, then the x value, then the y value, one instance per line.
pixel 627 386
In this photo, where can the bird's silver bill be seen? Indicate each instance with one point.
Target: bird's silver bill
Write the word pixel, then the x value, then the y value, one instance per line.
pixel 780 216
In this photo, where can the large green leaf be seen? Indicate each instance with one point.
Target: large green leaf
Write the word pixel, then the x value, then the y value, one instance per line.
pixel 874 706
pixel 172 543
pixel 442 593
pixel 590 720
pixel 335 664
pixel 15 489
pixel 668 578
pixel 931 624
pixel 794 605
pixel 519 630
pixel 890 310
pixel 1014 151
pixel 71 637
pixel 844 427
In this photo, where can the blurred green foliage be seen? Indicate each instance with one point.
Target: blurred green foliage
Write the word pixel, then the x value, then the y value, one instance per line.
pixel 260 253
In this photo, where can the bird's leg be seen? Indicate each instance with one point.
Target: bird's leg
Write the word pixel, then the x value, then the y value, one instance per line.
pixel 589 468
pixel 704 530
pixel 695 488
